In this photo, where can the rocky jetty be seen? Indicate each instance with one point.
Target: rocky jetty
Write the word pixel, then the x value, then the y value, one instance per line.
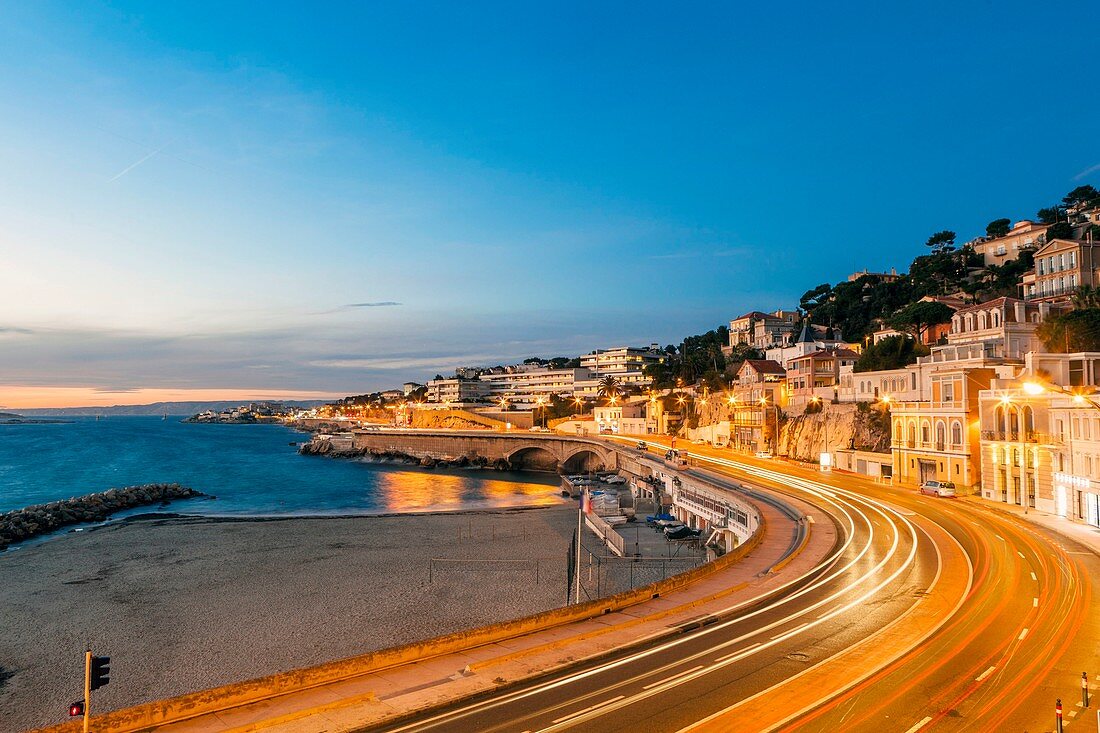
pixel 23 524
pixel 337 448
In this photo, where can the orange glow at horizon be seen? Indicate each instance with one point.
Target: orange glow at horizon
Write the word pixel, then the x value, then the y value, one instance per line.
pixel 16 397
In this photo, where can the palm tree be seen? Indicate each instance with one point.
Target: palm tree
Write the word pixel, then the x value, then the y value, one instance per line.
pixel 608 387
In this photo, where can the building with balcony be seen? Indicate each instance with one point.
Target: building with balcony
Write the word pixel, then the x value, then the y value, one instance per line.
pixel 522 385
pixel 763 330
pixel 757 393
pixel 1041 446
pixel 938 438
pixel 1005 326
pixel 1061 267
pixel 1022 236
pixel 456 390
pixel 625 363
pixel 817 374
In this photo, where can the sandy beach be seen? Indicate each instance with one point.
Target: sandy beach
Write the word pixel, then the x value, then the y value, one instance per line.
pixel 183 603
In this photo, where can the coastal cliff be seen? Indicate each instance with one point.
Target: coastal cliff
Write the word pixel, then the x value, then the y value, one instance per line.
pixel 338 447
pixel 23 524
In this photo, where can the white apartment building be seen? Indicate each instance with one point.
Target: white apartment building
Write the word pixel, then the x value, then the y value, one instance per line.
pixel 456 389
pixel 522 385
pixel 626 363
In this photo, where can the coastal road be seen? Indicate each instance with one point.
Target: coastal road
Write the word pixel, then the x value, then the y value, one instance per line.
pixel 931 614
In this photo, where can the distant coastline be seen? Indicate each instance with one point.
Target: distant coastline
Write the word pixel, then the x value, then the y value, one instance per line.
pixel 11 418
pixel 152 409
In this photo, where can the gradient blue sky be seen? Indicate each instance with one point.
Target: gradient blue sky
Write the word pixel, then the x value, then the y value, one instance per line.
pixel 197 195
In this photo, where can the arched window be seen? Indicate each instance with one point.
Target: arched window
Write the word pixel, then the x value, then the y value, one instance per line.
pixel 982 322
pixel 1027 416
pixel 925 432
pixel 1012 415
pixel 912 434
pixel 897 430
pixel 996 319
pixel 941 435
pixel 999 424
pixel 1015 456
pixel 956 433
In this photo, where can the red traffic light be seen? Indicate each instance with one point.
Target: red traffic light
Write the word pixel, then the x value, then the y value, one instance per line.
pixel 76 708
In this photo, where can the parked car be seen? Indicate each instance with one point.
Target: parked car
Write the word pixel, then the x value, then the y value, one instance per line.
pixel 683 532
pixel 642 445
pixel 945 489
pixel 763 454
pixel 615 480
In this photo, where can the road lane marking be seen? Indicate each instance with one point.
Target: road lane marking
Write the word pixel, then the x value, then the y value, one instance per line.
pixel 985 674
pixel 669 679
pixel 920 724
pixel 739 651
pixel 1033 576
pixel 791 631
pixel 590 708
pixel 1021 554
pixel 1022 635
pixel 1002 539
pixel 1034 602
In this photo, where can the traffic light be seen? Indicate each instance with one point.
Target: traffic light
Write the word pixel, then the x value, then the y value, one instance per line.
pixel 101 670
pixel 76 708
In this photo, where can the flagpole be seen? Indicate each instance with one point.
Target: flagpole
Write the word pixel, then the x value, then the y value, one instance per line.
pixel 577 555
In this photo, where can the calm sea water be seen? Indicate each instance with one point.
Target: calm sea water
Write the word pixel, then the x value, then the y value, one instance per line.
pixel 252 469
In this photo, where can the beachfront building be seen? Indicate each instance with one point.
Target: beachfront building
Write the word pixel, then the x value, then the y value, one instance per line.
pixel 1023 235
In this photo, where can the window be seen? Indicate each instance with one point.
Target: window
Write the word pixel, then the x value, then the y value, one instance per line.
pixel 925 433
pixel 956 433
pixel 1076 372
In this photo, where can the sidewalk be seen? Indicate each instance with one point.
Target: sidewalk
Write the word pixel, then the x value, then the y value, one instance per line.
pixel 1083 534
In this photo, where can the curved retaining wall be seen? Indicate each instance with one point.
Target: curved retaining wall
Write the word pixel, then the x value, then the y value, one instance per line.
pixel 141 717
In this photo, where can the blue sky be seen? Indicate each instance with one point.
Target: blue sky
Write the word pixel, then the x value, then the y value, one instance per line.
pixel 196 195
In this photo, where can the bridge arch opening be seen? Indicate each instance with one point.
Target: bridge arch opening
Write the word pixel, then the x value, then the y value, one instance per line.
pixel 533 458
pixel 583 461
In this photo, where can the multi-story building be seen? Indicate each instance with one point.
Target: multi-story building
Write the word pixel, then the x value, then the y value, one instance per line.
pixel 817 374
pixel 1041 437
pixel 625 363
pixel 884 276
pixel 1006 326
pixel 1022 236
pixel 938 438
pixel 757 393
pixel 1061 267
pixel 522 385
pixel 763 330
pixel 456 390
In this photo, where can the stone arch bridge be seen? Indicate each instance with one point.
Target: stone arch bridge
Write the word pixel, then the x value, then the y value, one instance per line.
pixel 522 450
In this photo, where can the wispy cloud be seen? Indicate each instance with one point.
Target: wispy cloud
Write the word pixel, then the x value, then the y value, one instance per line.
pixel 1087 171
pixel 15 330
pixel 116 390
pixel 379 304
pixel 405 362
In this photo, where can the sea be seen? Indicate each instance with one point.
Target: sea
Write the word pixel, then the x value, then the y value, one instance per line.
pixel 253 470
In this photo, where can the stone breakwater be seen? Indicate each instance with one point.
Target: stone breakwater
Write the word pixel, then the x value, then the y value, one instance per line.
pixel 23 524
pixel 323 447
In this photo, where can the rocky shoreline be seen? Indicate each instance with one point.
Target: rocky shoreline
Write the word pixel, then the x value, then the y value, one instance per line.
pixel 32 521
pixel 327 448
